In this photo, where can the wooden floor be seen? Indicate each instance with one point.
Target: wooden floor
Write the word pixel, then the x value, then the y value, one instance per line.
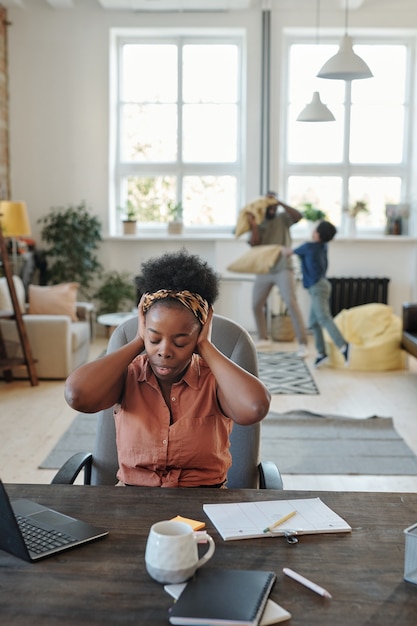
pixel 33 418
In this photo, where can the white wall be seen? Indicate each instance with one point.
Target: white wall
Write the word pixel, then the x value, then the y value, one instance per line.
pixel 59 112
pixel 391 257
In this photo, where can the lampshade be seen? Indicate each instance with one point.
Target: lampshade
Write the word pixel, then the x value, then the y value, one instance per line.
pixel 316 111
pixel 14 219
pixel 345 64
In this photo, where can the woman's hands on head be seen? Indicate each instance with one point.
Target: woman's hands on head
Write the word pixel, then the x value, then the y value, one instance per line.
pixel 141 320
pixel 205 332
pixel 241 395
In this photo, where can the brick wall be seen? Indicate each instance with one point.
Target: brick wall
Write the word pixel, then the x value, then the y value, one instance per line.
pixel 4 110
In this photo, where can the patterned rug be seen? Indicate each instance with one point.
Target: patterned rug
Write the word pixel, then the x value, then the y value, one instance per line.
pixel 285 373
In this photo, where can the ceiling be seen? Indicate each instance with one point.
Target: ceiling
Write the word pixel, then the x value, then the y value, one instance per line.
pixel 192 5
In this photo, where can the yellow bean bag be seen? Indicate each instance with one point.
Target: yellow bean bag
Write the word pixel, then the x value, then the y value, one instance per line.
pixel 374 335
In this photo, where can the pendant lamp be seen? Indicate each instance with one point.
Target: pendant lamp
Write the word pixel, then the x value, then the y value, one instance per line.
pixel 345 64
pixel 316 111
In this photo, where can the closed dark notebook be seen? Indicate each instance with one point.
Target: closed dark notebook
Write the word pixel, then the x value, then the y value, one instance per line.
pixel 223 596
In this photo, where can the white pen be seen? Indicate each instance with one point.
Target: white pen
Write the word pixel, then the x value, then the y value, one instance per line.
pixel 307 583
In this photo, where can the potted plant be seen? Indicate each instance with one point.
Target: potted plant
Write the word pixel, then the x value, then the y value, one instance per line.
pixel 129 218
pixel 117 292
pixel 358 207
pixel 175 213
pixel 352 213
pixel 312 214
pixel 72 235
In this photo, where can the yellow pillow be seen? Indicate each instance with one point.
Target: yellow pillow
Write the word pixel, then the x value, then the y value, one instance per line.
pixel 54 300
pixel 257 260
pixel 258 208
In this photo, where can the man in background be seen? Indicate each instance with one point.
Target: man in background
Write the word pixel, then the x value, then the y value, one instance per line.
pixel 275 229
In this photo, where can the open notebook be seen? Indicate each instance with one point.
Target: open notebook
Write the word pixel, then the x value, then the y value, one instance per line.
pixel 246 520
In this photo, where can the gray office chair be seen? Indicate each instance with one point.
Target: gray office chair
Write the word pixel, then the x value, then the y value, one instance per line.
pixel 246 472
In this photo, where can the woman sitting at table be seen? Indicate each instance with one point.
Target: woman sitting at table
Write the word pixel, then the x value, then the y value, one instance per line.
pixel 175 395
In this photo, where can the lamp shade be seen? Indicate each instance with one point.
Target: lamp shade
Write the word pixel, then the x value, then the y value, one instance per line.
pixel 345 64
pixel 316 111
pixel 14 219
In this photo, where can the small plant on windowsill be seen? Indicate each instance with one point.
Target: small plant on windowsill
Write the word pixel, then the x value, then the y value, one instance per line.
pixel 175 214
pixel 312 214
pixel 358 207
pixel 352 212
pixel 129 218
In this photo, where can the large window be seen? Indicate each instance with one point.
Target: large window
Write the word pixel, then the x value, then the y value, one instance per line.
pixel 363 155
pixel 178 126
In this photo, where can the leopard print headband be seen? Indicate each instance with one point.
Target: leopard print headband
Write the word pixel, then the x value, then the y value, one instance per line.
pixel 193 301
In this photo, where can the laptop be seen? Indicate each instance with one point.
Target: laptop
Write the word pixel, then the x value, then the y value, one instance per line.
pixel 31 531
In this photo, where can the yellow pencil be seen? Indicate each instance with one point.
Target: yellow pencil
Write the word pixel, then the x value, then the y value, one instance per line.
pixel 280 521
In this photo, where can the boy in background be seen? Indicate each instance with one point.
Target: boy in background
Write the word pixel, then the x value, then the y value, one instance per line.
pixel 313 256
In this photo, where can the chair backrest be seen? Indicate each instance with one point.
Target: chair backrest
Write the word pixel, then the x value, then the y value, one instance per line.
pixel 233 341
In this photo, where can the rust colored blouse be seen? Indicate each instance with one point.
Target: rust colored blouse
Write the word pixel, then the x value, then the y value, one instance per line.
pixel 192 451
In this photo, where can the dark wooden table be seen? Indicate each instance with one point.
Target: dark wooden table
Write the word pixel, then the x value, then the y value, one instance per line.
pixel 106 582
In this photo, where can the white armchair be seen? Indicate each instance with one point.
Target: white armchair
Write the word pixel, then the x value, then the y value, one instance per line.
pixel 58 344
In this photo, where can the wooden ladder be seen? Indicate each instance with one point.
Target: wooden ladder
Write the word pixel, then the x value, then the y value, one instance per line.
pixel 5 362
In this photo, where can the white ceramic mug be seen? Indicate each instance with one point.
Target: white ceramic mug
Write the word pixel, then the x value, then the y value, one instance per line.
pixel 171 554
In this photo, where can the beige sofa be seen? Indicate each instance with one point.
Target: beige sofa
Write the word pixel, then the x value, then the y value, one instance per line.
pixel 58 343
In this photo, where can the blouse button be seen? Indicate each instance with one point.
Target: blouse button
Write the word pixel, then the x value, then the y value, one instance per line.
pixel 164 441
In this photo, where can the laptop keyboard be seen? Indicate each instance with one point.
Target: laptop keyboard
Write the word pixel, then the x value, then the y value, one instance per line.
pixel 39 540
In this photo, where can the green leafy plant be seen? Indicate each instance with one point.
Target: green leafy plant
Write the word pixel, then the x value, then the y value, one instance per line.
pixel 116 292
pixel 312 214
pixel 129 212
pixel 175 211
pixel 72 235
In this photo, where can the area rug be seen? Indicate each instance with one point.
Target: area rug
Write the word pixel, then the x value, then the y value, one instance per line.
pixel 285 373
pixel 299 442
pixel 79 437
pixel 302 442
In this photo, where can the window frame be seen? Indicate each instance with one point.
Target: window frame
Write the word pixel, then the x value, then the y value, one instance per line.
pixel 345 169
pixel 119 169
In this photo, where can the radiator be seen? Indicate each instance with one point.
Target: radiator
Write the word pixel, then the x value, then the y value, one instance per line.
pixel 350 292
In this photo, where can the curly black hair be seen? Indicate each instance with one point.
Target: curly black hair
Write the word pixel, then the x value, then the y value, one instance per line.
pixel 326 230
pixel 179 271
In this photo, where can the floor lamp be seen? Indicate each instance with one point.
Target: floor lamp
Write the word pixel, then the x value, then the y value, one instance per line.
pixel 15 223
